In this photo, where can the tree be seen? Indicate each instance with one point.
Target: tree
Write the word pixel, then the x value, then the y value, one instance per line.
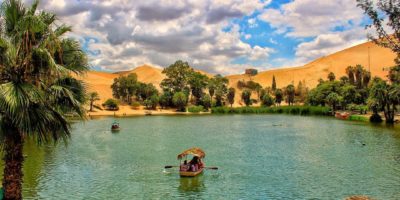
pixel 125 87
pixel 152 102
pixel 331 76
pixel 278 96
pixel 206 101
pixel 36 93
pixel 263 92
pixel 273 83
pixel 390 9
pixel 350 74
pixel 349 94
pixel 246 97
pixel 231 96
pixel 394 74
pixel 385 98
pixel 111 104
pixel 333 99
pixel 93 96
pixel 145 91
pixel 211 87
pixel 180 101
pixel 166 99
pixel 344 80
pixel 290 93
pixel 178 75
pixel 198 82
pixel 267 100
pixel 221 88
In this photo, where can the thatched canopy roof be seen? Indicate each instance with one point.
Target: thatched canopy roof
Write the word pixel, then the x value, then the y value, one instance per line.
pixel 195 151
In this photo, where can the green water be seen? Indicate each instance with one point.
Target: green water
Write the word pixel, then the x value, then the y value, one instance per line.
pixel 259 157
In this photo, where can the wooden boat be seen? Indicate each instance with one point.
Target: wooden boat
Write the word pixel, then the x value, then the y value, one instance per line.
pixel 115 127
pixel 196 165
pixel 344 115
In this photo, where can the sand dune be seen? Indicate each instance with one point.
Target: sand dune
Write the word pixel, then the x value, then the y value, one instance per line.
pixel 379 59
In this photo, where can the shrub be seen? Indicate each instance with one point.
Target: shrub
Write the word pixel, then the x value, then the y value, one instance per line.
pixel 135 105
pixel 111 104
pixel 180 101
pixel 196 109
pixel 206 102
pixel 267 100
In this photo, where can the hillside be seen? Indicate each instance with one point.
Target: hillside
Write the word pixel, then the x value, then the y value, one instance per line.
pixel 380 58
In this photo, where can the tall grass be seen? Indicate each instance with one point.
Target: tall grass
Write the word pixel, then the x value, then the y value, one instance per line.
pixel 294 110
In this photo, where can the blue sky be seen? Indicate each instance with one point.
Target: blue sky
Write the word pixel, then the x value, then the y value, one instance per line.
pixel 218 36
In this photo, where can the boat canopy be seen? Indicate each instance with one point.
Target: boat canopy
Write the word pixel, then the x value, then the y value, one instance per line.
pixel 195 151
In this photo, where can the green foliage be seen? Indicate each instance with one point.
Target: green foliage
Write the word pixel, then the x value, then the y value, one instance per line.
pixel 111 104
pixel 180 100
pixel 331 76
pixel 295 110
pixel 231 96
pixel 290 94
pixel 152 102
pixel 206 102
pixel 333 99
pixel 278 96
pixel 358 118
pixel 221 88
pixel 37 91
pixel 125 87
pixel 394 74
pixel 93 96
pixel 135 105
pixel 246 97
pixel 267 100
pixel 390 9
pixel 198 82
pixel 273 83
pixel 178 75
pixel 145 91
pixel 166 99
pixel 195 109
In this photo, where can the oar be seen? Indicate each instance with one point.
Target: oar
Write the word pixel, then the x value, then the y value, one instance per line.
pixel 171 166
pixel 215 168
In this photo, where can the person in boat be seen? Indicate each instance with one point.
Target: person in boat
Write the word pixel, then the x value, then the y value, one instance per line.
pixel 184 167
pixel 194 163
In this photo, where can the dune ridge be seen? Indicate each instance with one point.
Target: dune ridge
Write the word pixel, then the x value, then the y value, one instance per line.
pixel 378 61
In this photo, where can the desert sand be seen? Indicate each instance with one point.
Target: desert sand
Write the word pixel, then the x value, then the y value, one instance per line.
pixel 372 57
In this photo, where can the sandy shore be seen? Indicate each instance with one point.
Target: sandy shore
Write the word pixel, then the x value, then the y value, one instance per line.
pixel 126 111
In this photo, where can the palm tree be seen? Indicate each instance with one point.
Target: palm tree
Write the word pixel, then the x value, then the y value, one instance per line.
pixel 93 96
pixel 36 89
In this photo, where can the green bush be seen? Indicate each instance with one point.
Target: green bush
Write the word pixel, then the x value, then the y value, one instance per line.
pixel 135 105
pixel 196 109
pixel 111 104
pixel 358 118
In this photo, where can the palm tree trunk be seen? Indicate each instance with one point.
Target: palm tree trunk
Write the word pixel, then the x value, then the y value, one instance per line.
pixel 91 106
pixel 13 160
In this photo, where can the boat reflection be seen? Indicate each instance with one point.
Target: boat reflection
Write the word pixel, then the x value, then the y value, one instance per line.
pixel 192 184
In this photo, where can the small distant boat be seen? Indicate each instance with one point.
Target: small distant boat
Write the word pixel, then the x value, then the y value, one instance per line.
pixel 344 115
pixel 115 126
pixel 195 166
pixel 148 112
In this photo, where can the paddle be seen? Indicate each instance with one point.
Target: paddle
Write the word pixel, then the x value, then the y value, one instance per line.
pixel 171 166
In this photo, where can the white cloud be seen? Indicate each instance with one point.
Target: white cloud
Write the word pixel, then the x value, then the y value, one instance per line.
pixel 307 18
pixel 132 33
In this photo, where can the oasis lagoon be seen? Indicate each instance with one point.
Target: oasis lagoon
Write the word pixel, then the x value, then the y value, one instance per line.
pixel 259 157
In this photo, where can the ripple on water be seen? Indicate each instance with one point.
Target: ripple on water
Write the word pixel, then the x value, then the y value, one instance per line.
pixel 259 156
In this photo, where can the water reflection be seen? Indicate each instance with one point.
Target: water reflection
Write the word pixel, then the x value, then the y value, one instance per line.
pixel 192 184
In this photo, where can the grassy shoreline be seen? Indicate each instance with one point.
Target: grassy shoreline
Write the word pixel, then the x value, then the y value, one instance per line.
pixel 293 110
